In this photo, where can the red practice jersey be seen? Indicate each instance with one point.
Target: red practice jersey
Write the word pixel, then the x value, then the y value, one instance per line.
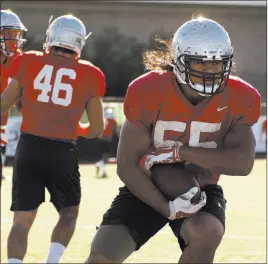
pixel 152 100
pixel 55 92
pixel 264 126
pixel 4 79
pixel 109 126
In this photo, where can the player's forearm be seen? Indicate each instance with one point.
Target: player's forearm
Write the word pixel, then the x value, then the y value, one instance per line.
pixel 4 107
pixel 85 130
pixel 4 119
pixel 10 96
pixel 6 104
pixel 143 188
pixel 230 161
pixel 230 171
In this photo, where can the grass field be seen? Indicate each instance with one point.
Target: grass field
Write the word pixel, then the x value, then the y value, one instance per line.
pixel 244 241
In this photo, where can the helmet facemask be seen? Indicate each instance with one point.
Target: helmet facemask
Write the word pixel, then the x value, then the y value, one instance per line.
pixel 210 82
pixel 202 56
pixel 11 40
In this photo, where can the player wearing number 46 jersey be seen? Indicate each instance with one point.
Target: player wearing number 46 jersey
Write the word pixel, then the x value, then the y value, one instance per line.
pixel 188 111
pixel 54 88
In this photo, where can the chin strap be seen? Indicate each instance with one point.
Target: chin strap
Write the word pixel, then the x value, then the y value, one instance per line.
pixel 189 83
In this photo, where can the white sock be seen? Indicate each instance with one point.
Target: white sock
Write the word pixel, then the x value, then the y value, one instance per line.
pixel 102 167
pixel 3 159
pixel 14 260
pixel 55 252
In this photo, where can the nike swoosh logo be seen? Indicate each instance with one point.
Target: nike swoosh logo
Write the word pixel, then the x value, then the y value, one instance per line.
pixel 221 108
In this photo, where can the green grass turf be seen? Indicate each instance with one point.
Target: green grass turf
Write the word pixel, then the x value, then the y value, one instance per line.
pixel 244 240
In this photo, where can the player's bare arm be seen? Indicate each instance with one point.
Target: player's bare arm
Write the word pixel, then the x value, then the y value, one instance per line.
pixel 133 144
pixel 10 96
pixel 236 158
pixel 94 111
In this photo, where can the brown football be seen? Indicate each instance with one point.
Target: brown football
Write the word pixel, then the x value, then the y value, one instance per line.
pixel 172 180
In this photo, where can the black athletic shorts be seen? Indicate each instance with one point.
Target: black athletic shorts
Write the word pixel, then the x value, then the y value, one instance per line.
pixel 45 163
pixel 144 222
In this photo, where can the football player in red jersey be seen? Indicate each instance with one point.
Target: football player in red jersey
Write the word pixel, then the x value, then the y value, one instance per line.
pixel 192 111
pixel 54 87
pixel 263 131
pixel 11 40
pixel 110 126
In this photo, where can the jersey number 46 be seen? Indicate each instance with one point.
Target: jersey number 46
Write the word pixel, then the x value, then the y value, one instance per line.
pixel 43 82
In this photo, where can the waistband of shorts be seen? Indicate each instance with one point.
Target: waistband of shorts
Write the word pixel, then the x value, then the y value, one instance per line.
pixel 47 139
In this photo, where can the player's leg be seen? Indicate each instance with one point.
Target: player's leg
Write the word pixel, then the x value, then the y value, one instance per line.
pixel 63 183
pixel 126 226
pixel 28 191
pixel 107 155
pixel 106 149
pixel 97 165
pixel 3 159
pixel 18 236
pixel 100 168
pixel 62 233
pixel 111 244
pixel 1 168
pixel 103 171
pixel 100 163
pixel 200 235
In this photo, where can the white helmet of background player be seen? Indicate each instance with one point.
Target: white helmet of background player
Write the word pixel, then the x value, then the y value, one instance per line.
pixel 202 40
pixel 109 113
pixel 12 33
pixel 67 32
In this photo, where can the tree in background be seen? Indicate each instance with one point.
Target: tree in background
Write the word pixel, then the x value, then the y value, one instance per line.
pixel 33 44
pixel 119 57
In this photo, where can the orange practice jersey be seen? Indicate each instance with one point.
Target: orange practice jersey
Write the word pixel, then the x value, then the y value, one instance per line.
pixel 4 77
pixel 109 126
pixel 152 100
pixel 264 126
pixel 55 91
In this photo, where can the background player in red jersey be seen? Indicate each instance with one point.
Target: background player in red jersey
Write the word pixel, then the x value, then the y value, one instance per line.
pixel 11 40
pixel 263 131
pixel 192 112
pixel 54 87
pixel 109 131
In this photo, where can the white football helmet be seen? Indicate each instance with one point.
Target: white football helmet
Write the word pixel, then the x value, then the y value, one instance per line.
pixel 67 32
pixel 109 113
pixel 202 40
pixel 12 34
